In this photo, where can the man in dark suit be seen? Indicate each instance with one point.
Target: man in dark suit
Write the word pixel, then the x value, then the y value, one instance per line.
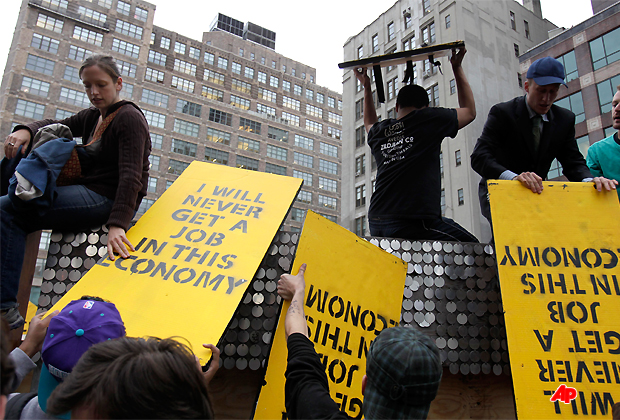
pixel 522 137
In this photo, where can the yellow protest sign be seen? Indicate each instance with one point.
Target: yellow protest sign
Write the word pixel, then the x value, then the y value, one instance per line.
pixel 558 259
pixel 197 248
pixel 354 290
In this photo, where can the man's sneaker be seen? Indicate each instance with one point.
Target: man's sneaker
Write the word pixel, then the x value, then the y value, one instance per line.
pixel 13 317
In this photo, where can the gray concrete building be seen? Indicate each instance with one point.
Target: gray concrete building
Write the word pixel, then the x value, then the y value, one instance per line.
pixel 590 52
pixel 495 34
pixel 228 98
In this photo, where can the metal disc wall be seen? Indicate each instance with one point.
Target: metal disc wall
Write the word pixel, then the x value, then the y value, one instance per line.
pixel 451 293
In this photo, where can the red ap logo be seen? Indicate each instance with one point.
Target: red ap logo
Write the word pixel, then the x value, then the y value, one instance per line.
pixel 564 393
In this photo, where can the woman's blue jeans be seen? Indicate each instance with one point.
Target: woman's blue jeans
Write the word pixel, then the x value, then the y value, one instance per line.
pixel 75 207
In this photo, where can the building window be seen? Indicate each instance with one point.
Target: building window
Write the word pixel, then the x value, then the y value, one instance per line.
pixel 428 33
pixel 426 5
pixel 154 75
pixel 182 84
pixel 155 119
pixel 574 102
pixel 267 110
pixel 262 77
pixel 186 127
pixel 360 165
pixel 526 25
pixel 441 164
pixel 360 136
pixel 320 98
pixel 290 119
pixel 155 98
pixel 222 63
pixel 74 97
pixel 152 186
pixel 276 152
pixel 273 64
pixel 209 58
pixel 315 126
pixel 194 53
pixel 328 184
pixel 141 14
pixel 606 91
pixel 360 195
pixel 183 147
pixel 443 202
pixel 461 196
pixel 145 204
pixel 513 22
pixel 457 157
pixel 447 19
pixel 327 166
pixel 331 102
pixel 286 85
pixel 247 163
pixel 278 170
pixel 408 21
pixel 605 49
pixel 124 47
pixel 45 43
pixel 303 175
pixel 164 42
pixel 189 108
pixel 154 162
pixel 213 77
pixel 248 72
pixel 309 94
pixel 128 29
pixel 29 109
pixel 297 215
pixel 452 87
pixel 123 8
pixel 315 111
pixel 40 65
pixel 359 109
pixel 274 81
pixel 35 86
pixel 360 226
pixel 213 94
pixel 157 140
pixel 519 80
pixel 409 43
pixel 291 103
pixel 176 167
pixel 216 156
pixel 334 118
pixel 328 149
pixel 218 136
pixel 239 102
pixel 327 202
pixel 249 125
pixel 78 53
pixel 50 23
pixel 303 159
pixel 516 46
pixel 277 134
pixel 184 67
pixel 555 170
pixel 267 94
pixel 235 67
pixel 126 68
pixel 433 95
pixel 304 197
pixel 392 88
pixel 334 132
pixel 375 43
pixel 570 65
pixel 390 32
pixel 157 58
pixel 304 142
pixel 249 145
pixel 360 51
pixel 179 47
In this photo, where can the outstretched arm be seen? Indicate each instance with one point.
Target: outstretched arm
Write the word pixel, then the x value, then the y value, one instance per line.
pixel 466 112
pixel 370 115
pixel 292 289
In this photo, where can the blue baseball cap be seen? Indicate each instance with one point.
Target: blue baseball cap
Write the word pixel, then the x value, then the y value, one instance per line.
pixel 546 71
pixel 78 326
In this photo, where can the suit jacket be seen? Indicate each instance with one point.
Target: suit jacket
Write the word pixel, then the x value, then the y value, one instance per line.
pixel 507 143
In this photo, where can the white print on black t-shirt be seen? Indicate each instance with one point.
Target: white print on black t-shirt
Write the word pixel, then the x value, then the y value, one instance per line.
pixel 395 148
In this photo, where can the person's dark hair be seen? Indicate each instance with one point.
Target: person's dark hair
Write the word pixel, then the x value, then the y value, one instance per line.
pixel 6 364
pixel 135 378
pixel 104 62
pixel 412 96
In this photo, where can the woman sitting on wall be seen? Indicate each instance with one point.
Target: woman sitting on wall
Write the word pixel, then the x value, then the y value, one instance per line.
pixel 113 180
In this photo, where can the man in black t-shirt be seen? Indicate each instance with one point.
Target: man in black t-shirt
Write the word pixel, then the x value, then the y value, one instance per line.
pixel 406 202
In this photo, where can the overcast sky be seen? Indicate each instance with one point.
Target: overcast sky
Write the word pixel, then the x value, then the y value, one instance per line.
pixel 310 32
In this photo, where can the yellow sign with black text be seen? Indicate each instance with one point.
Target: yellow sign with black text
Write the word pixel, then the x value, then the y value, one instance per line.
pixel 354 290
pixel 197 248
pixel 558 256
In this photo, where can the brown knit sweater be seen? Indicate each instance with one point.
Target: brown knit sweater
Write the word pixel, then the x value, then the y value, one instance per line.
pixel 121 170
